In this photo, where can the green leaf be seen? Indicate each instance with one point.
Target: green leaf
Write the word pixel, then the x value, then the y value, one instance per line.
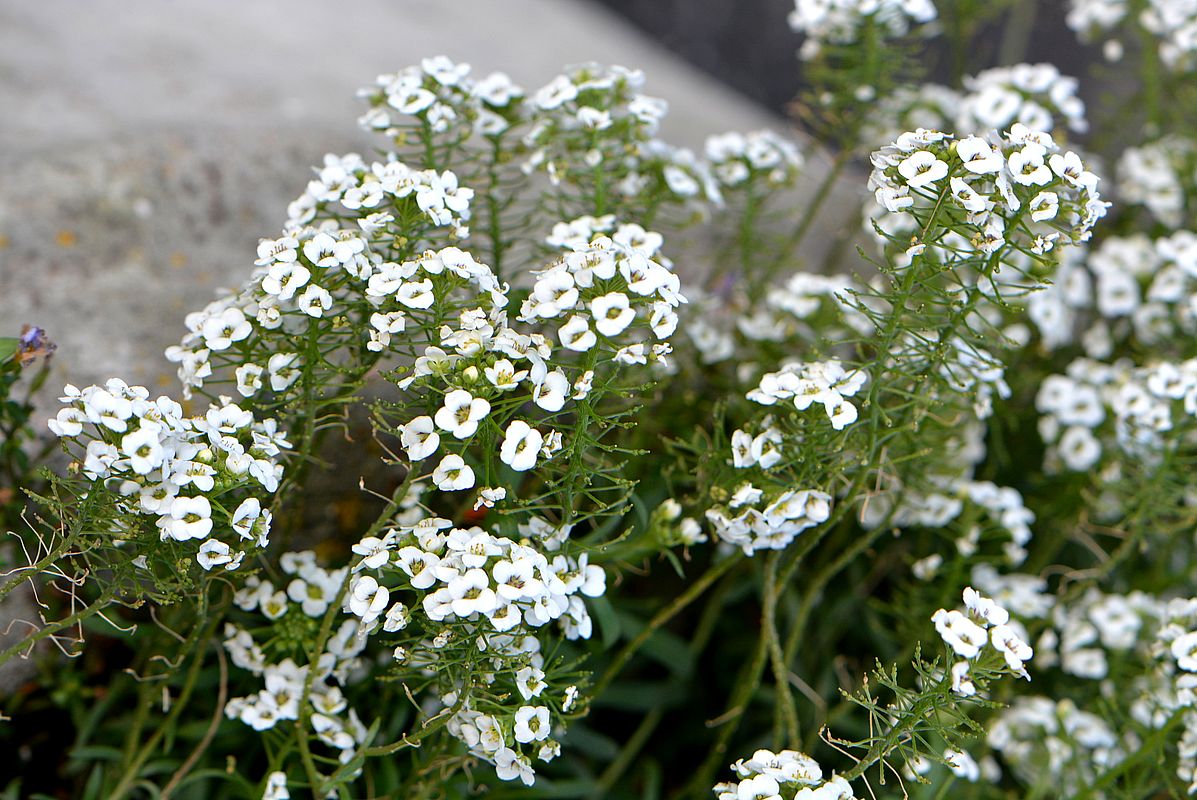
pixel 8 347
pixel 608 620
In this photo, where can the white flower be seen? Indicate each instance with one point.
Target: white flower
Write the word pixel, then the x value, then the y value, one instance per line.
pixel 503 375
pixel 1010 644
pixel 560 90
pixel 922 168
pixel 1027 167
pixel 1044 206
pixel 962 683
pixel 960 633
pixel 215 553
pixel 531 724
pixel 551 392
pixel 285 279
pixel 1184 650
pixel 521 445
pixel 612 313
pixel 190 518
pixel 144 448
pixel 978 157
pixel 509 765
pixel 530 682
pixel 367 599
pixel 759 787
pixel 419 438
pixel 575 334
pixel 416 294
pixel 984 609
pixel 276 782
pixel 488 496
pixel 397 618
pixel 461 413
pixel 221 330
pixel 249 379
pixel 470 593
pixel 375 552
pixel 283 370
pixel 250 521
pixel 453 474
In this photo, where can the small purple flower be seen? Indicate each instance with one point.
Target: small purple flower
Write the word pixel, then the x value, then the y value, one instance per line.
pixel 33 344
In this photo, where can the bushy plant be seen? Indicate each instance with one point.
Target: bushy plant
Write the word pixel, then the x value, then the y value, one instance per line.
pixel 637 489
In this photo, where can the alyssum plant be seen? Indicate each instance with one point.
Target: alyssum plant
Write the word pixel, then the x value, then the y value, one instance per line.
pixel 911 523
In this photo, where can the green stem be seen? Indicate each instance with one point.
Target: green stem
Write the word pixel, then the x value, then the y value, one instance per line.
pixel 692 593
pixel 786 712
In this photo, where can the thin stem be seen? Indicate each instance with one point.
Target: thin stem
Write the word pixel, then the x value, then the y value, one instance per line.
pixel 692 593
pixel 786 712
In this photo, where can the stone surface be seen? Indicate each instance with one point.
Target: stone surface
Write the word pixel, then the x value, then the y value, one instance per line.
pixel 144 154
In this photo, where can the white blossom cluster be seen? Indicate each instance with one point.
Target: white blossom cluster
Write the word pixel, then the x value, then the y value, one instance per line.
pixel 784 775
pixel 1050 742
pixel 753 520
pixel 806 383
pixel 1159 175
pixel 598 290
pixel 1003 507
pixel 734 157
pixel 1148 642
pixel 580 120
pixel 591 118
pixel 187 473
pixel 314 274
pixel 982 627
pixel 308 592
pixel 1018 187
pixel 470 575
pixel 804 307
pixel 1172 22
pixel 1037 96
pixel 840 22
pixel 610 298
pixel 517 590
pixel 488 595
pixel 1128 287
pixel 1098 408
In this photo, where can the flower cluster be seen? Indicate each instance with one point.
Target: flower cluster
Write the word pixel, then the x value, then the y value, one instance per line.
pixel 1158 175
pixel 1017 187
pixel 983 626
pixel 323 269
pixel 1096 407
pixel 1046 741
pixel 1173 23
pixel 599 289
pixel 824 382
pixel 785 775
pixel 840 21
pixel 188 473
pixel 1003 507
pixel 1035 95
pixel 467 575
pixel 291 690
pixel 752 520
pixel 734 158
